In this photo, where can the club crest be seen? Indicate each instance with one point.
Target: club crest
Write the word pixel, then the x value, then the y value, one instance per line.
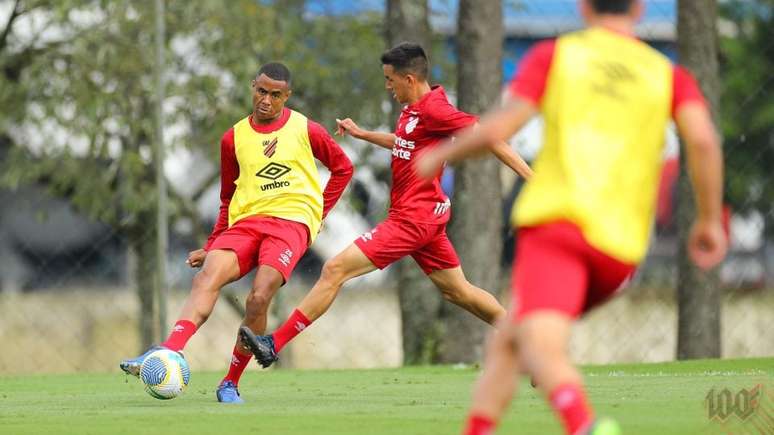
pixel 269 147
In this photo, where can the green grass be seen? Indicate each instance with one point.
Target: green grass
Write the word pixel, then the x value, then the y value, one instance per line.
pixel 645 398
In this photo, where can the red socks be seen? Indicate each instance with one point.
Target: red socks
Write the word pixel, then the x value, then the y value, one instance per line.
pixel 569 401
pixel 180 335
pixel 238 364
pixel 479 425
pixel 296 323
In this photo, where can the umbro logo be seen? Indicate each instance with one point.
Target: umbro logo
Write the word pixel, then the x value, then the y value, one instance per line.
pixel 442 207
pixel 300 326
pixel 368 236
pixel 272 171
pixel 270 147
pixel 178 328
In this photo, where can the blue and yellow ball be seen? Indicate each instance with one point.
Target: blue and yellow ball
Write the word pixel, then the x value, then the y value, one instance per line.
pixel 165 374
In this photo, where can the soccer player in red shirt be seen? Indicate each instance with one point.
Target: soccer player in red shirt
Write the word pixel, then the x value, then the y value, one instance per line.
pixel 272 206
pixel 418 213
pixel 584 218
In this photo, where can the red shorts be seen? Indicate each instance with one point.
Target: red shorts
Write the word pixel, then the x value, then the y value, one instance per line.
pixel 394 238
pixel 556 269
pixel 265 240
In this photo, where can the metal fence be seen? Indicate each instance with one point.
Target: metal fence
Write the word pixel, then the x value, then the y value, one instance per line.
pixel 68 299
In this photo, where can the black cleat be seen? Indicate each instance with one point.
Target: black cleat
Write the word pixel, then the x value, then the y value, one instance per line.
pixel 262 346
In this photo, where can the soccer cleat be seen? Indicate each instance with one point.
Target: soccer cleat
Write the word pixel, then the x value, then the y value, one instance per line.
pixel 228 392
pixel 262 346
pixel 604 426
pixel 132 366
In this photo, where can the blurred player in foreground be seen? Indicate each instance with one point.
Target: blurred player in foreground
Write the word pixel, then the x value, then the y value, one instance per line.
pixel 584 218
pixel 271 210
pixel 419 209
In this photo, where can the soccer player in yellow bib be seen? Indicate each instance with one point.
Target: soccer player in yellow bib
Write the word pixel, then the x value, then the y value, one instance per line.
pixel 272 206
pixel 584 218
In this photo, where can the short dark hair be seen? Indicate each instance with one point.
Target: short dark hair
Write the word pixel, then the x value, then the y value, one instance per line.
pixel 275 71
pixel 611 6
pixel 407 57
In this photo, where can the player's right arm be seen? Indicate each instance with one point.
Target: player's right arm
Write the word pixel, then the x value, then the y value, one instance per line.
pixel 348 126
pixel 229 172
pixel 707 242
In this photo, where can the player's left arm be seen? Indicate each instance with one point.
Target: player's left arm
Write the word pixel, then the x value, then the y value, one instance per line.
pixel 707 242
pixel 330 154
pixel 503 151
pixel 525 95
pixel 491 133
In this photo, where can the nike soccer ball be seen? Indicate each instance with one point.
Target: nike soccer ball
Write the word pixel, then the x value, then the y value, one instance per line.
pixel 165 374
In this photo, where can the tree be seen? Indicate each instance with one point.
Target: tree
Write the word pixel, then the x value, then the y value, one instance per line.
pixel 407 20
pixel 747 113
pixel 81 84
pixel 476 182
pixel 698 292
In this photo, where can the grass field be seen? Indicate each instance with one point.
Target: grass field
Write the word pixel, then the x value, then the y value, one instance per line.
pixel 646 399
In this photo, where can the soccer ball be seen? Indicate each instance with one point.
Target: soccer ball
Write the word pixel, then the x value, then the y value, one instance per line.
pixel 165 374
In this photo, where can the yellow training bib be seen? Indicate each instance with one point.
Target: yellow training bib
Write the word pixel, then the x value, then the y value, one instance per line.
pixel 277 175
pixel 606 108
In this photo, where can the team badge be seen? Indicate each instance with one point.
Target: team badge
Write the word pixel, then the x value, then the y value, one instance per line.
pixel 411 124
pixel 269 147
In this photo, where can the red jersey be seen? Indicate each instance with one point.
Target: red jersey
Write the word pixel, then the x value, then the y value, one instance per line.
pixel 421 127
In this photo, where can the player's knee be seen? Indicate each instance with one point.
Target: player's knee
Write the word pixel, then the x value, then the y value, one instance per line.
pixel 258 301
pixel 333 272
pixel 204 280
pixel 503 339
pixel 536 349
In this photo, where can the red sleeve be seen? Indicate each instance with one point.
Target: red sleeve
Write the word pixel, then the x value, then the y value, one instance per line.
pixel 529 82
pixel 684 89
pixel 327 151
pixel 229 172
pixel 444 119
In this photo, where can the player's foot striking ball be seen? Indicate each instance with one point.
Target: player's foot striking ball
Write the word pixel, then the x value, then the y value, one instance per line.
pixel 132 366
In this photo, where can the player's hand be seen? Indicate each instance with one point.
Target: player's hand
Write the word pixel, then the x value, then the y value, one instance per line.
pixel 707 243
pixel 348 126
pixel 428 164
pixel 196 258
